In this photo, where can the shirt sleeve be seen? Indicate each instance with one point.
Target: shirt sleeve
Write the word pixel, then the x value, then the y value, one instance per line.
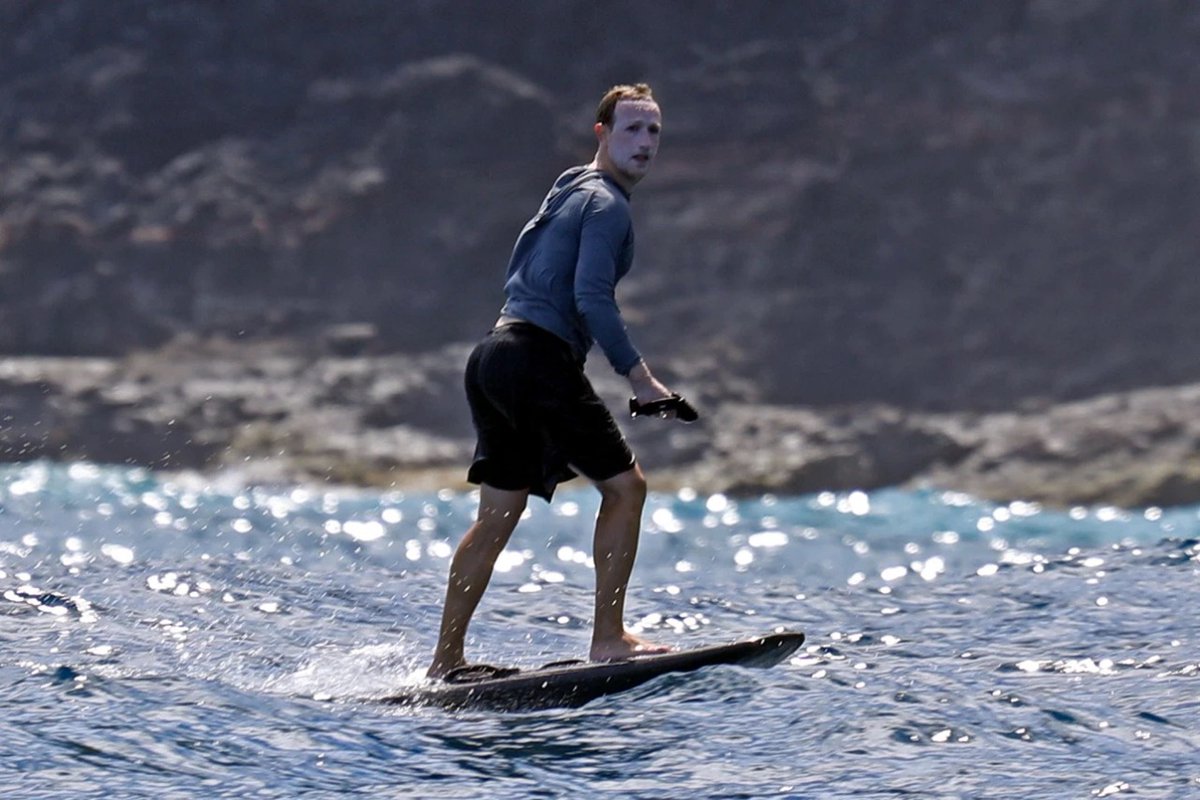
pixel 603 233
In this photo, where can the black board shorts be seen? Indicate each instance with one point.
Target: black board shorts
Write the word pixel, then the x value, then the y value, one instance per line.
pixel 536 416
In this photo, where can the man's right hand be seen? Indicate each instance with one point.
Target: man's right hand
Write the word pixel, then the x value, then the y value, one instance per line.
pixel 650 396
pixel 646 388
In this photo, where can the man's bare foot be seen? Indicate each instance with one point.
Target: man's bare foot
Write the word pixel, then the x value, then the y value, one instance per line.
pixel 627 646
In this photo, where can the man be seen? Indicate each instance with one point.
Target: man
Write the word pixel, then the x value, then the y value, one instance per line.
pixel 537 418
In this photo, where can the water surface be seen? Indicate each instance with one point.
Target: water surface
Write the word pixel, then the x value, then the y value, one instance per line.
pixel 184 637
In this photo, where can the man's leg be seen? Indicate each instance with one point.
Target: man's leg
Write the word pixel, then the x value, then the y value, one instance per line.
pixel 617 525
pixel 471 569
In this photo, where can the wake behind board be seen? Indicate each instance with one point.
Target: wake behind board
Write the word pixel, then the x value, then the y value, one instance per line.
pixel 575 683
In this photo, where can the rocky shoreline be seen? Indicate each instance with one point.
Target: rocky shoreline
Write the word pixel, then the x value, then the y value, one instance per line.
pixel 274 412
pixel 886 244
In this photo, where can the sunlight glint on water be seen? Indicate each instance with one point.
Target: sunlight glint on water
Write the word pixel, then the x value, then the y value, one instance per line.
pixel 174 635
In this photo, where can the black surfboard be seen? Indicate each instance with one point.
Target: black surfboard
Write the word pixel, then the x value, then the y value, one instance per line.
pixel 571 684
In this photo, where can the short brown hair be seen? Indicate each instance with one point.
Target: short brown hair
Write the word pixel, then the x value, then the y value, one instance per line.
pixel 608 103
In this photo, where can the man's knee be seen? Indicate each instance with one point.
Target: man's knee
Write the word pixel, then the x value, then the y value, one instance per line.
pixel 500 510
pixel 627 487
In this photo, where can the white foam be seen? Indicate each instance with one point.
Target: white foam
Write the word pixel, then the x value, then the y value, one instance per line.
pixel 365 672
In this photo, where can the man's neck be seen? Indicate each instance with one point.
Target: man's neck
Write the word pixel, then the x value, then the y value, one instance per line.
pixel 603 165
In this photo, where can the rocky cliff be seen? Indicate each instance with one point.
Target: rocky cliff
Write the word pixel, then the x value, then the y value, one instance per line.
pixel 939 207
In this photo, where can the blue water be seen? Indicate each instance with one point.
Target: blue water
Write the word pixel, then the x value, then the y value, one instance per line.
pixel 188 637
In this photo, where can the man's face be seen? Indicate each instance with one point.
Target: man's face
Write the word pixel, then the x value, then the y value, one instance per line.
pixel 632 142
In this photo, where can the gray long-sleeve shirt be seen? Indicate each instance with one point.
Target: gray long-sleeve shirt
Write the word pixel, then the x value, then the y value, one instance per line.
pixel 566 263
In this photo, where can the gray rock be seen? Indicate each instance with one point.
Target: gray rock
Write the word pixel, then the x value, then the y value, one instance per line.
pixel 888 242
pixel 885 203
pixel 275 414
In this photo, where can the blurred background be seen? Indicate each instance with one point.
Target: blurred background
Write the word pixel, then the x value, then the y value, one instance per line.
pixel 945 207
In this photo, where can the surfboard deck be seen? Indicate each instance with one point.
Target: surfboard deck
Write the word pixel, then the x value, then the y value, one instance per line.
pixel 568 685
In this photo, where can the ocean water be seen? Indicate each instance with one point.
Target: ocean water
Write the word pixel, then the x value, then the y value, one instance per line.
pixel 167 636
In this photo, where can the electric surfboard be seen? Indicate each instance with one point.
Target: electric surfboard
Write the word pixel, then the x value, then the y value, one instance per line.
pixel 571 684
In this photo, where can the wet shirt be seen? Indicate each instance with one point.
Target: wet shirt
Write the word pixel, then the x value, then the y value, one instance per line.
pixel 566 263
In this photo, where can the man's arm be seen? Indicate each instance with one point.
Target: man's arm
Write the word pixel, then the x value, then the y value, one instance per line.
pixel 604 228
pixel 602 236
